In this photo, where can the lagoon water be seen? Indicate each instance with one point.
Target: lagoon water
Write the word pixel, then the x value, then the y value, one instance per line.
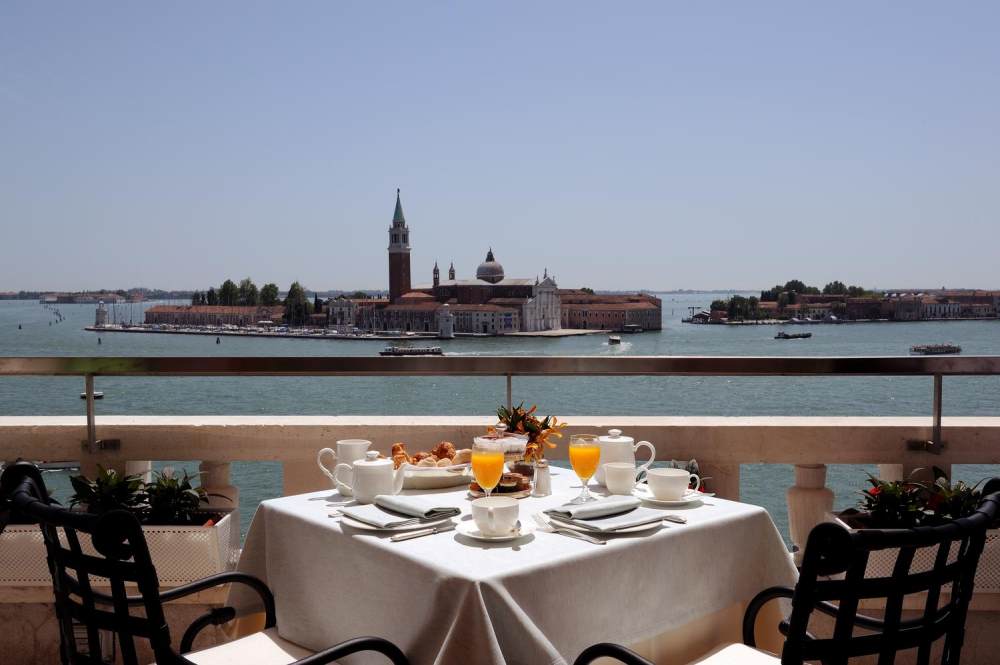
pixel 41 334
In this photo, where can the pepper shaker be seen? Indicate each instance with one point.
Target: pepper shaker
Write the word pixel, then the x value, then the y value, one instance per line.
pixel 543 479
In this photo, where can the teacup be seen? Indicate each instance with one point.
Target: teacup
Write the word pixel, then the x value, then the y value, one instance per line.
pixel 495 515
pixel 619 477
pixel 670 484
pixel 348 450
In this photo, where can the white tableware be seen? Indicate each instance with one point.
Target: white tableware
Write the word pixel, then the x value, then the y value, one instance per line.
pixel 470 529
pixel 689 498
pixel 367 478
pixel 615 447
pixel 435 477
pixel 495 515
pixel 670 484
pixel 619 477
pixel 348 450
pixel 405 527
pixel 541 484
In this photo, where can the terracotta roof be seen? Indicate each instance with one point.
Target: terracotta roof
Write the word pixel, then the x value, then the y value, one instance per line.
pixel 416 295
pixel 508 301
pixel 420 306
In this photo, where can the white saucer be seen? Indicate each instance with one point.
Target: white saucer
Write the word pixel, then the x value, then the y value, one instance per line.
pixel 690 497
pixel 594 532
pixel 344 519
pixel 469 528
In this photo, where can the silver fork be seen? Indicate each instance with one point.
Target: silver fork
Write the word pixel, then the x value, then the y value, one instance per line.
pixel 546 524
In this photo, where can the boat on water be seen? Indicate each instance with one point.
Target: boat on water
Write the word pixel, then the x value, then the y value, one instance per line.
pixel 783 335
pixel 411 351
pixel 97 395
pixel 614 339
pixel 935 349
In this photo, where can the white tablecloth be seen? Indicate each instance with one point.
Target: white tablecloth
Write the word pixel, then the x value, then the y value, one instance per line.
pixel 447 599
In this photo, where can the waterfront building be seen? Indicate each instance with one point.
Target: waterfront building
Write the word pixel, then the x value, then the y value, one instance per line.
pixel 580 309
pixel 213 315
pixel 341 314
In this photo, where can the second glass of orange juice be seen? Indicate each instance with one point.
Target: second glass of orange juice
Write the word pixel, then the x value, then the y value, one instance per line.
pixel 487 464
pixel 584 456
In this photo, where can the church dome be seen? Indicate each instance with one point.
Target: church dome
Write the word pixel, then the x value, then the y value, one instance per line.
pixel 489 270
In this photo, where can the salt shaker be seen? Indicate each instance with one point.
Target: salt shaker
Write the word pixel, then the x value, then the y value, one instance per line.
pixel 543 479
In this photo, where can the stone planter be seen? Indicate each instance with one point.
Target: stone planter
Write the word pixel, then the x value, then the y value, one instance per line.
pixel 181 554
pixel 881 562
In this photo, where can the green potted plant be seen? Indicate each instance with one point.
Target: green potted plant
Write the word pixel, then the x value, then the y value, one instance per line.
pixel 904 504
pixel 186 541
pixel 108 490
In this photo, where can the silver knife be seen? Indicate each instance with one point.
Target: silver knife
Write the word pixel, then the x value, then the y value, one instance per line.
pixel 440 528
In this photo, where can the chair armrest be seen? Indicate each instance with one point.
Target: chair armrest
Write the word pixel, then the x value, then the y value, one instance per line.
pixel 358 644
pixel 609 650
pixel 862 620
pixel 753 609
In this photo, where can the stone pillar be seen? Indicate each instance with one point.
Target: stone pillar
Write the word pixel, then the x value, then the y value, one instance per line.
pixel 215 480
pixel 809 501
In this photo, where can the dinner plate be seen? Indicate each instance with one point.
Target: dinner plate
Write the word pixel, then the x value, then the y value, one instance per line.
pixel 593 532
pixel 469 528
pixel 345 519
pixel 435 477
pixel 689 498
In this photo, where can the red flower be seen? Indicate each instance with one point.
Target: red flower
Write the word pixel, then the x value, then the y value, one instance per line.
pixel 875 491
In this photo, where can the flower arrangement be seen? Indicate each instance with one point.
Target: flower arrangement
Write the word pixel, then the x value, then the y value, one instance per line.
pixel 524 421
pixel 903 504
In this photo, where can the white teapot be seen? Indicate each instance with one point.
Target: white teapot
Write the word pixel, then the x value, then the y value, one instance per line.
pixel 618 448
pixel 366 478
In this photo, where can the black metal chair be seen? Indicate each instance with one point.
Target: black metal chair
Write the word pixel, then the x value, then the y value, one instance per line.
pixel 832 581
pixel 120 555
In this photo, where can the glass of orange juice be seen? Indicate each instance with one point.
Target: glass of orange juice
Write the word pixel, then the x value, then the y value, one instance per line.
pixel 487 463
pixel 584 456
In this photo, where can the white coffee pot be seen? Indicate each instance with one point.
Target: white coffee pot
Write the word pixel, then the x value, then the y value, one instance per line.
pixel 348 450
pixel 367 478
pixel 615 447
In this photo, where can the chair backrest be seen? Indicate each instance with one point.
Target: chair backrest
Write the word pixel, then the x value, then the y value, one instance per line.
pixel 833 573
pixel 85 551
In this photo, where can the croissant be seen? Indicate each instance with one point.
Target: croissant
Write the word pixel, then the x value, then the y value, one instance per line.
pixel 427 461
pixel 444 449
pixel 463 456
pixel 444 461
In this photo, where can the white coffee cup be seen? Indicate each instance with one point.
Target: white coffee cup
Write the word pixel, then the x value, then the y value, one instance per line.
pixel 619 477
pixel 670 484
pixel 348 450
pixel 495 515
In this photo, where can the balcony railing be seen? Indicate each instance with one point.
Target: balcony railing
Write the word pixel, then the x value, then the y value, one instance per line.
pixel 720 444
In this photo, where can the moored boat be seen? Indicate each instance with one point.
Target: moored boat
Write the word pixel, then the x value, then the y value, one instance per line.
pixel 411 351
pixel 935 349
pixel 783 335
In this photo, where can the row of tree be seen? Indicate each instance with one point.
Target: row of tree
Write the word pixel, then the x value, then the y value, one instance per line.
pixel 794 287
pixel 298 307
pixel 245 293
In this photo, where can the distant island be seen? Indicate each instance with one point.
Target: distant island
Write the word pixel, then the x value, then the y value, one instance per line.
pixel 796 302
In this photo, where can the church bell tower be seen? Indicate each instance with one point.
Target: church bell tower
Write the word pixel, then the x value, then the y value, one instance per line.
pixel 399 254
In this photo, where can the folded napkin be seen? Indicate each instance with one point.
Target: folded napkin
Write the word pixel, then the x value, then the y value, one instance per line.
pixel 600 508
pixel 608 515
pixel 391 511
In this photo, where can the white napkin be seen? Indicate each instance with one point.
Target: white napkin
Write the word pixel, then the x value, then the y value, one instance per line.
pixel 607 515
pixel 416 506
pixel 613 505
pixel 391 511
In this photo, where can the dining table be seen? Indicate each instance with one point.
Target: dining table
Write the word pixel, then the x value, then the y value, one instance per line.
pixel 671 592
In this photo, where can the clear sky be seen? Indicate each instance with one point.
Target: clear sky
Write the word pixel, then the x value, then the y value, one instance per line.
pixel 621 145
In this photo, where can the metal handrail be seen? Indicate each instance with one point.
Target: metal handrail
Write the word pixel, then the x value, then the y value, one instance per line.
pixel 509 367
pixel 501 366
